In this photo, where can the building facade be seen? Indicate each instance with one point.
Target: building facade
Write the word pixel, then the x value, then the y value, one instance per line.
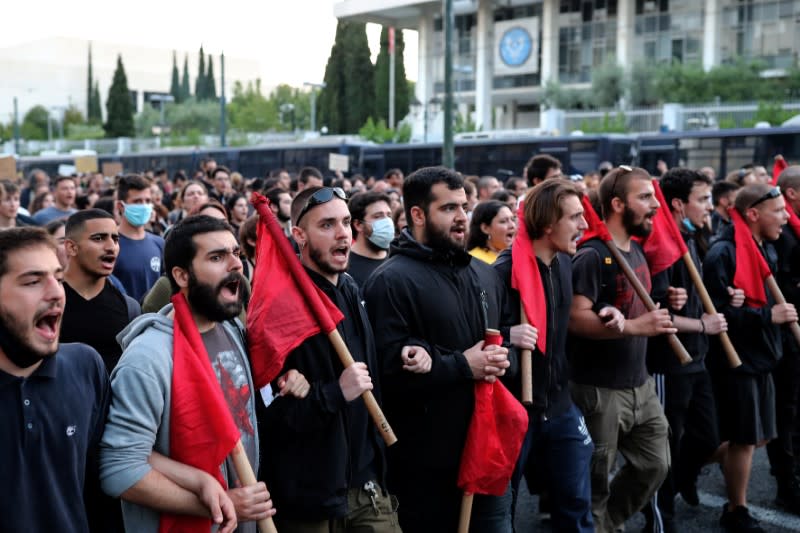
pixel 505 51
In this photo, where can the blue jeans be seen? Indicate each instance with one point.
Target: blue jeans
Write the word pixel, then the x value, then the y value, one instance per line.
pixel 491 514
pixel 557 455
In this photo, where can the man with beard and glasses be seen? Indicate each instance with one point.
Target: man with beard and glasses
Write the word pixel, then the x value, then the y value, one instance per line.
pixel 201 255
pixel 54 397
pixel 432 299
pixel 373 231
pixel 610 383
pixel 92 245
pixel 342 483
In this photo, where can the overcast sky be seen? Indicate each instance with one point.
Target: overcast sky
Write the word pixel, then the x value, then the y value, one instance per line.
pixel 291 38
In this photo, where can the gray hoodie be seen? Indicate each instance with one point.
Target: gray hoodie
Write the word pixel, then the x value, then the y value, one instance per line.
pixel 138 418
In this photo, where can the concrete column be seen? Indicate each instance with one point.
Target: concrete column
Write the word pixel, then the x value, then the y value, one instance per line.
pixel 424 87
pixel 549 29
pixel 626 13
pixel 484 65
pixel 711 31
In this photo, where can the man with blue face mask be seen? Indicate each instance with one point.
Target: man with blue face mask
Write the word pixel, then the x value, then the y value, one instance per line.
pixel 373 231
pixel 138 265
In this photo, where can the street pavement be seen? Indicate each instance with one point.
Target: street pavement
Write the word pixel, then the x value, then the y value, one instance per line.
pixel 703 518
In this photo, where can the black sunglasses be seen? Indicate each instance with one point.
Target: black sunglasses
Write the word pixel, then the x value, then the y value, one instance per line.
pixel 773 193
pixel 322 196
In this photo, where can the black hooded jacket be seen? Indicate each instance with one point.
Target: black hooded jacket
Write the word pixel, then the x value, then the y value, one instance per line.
pixel 307 445
pixel 551 395
pixel 756 339
pixel 443 302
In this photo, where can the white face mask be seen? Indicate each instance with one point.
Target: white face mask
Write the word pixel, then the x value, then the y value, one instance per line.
pixel 382 233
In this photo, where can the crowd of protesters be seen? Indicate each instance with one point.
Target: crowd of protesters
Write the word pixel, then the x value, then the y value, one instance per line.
pixel 100 275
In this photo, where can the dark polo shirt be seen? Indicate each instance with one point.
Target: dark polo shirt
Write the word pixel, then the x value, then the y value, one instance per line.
pixel 50 426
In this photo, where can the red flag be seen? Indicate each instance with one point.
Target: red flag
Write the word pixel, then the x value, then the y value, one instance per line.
pixel 778 167
pixel 494 440
pixel 525 278
pixel 201 428
pixel 794 220
pixel 597 229
pixel 286 307
pixel 751 267
pixel 665 245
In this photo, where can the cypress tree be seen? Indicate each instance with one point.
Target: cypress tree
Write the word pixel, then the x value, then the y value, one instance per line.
pixel 382 78
pixel 119 107
pixel 211 85
pixel 89 87
pixel 95 115
pixel 331 99
pixel 186 92
pixel 200 80
pixel 359 92
pixel 175 85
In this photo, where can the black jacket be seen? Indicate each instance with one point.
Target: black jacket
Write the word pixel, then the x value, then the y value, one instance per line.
pixel 788 276
pixel 756 339
pixel 443 302
pixel 551 395
pixel 306 443
pixel 660 357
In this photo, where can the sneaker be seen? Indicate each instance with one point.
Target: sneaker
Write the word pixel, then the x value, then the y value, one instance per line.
pixel 739 520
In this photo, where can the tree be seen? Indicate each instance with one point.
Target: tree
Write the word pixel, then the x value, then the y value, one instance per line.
pixel 211 84
pixel 89 86
pixel 72 116
pixel 348 98
pixel 175 84
pixel 249 110
pixel 608 84
pixel 96 112
pixel 682 82
pixel 200 80
pixel 382 78
pixel 186 92
pixel 34 123
pixel 119 107
pixel 642 87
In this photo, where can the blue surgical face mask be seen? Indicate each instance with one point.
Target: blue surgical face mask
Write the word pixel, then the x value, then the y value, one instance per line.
pixel 138 214
pixel 688 225
pixel 382 233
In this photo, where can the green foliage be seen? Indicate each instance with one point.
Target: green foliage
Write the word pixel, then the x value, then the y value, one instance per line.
pixel 380 133
pixel 147 119
pixel 737 82
pixel 249 110
pixel 558 97
pixel 34 124
pixel 175 84
pixel 642 86
pixel 193 115
pixel 609 124
pixel 608 84
pixel 200 80
pixel 186 92
pixel 682 82
pixel 73 116
pixel 348 98
pixel 79 132
pixel 96 111
pixel 89 86
pixel 382 64
pixel 771 112
pixel 119 107
pixel 6 131
pixel 211 84
pixel 403 134
pixel 464 124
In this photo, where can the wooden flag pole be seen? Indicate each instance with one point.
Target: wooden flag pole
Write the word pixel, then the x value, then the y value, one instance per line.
pixel 777 295
pixel 369 399
pixel 526 365
pixel 672 339
pixel 727 345
pixel 244 471
pixel 466 512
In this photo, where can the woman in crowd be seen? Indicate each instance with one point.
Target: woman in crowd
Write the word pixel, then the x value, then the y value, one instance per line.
pixel 237 211
pixel 491 230
pixel 192 195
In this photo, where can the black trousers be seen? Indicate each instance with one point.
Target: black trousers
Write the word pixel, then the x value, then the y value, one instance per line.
pixel 783 450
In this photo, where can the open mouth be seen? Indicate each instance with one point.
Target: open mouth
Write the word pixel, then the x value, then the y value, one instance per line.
pixel 459 231
pixel 46 325
pixel 108 261
pixel 231 289
pixel 340 252
pixel 577 237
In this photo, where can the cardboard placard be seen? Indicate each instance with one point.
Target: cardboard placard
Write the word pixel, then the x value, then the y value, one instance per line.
pixel 338 162
pixel 112 168
pixel 85 164
pixel 8 168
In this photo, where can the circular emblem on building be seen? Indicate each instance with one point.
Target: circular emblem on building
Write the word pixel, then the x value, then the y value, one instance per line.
pixel 515 46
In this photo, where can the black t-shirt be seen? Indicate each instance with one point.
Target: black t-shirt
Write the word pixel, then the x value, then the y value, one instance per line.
pixel 96 322
pixel 361 267
pixel 617 363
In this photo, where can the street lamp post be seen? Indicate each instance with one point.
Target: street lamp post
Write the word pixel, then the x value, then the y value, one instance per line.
pixel 314 87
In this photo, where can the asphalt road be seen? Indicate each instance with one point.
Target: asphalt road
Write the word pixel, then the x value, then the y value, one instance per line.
pixel 705 517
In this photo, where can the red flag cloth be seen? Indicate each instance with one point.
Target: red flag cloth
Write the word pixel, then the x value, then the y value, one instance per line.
pixel 525 278
pixel 597 229
pixel 794 220
pixel 665 245
pixel 286 307
pixel 494 440
pixel 778 167
pixel 751 267
pixel 201 428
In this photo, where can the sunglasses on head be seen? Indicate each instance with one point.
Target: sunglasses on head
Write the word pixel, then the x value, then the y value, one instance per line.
pixel 625 169
pixel 322 196
pixel 773 193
